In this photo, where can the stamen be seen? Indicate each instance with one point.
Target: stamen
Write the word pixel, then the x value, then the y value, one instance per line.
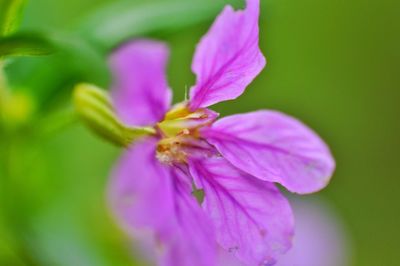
pixel 180 134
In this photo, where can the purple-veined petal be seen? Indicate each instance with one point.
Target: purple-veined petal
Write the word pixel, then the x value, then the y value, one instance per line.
pixel 319 238
pixel 274 147
pixel 156 201
pixel 140 191
pixel 251 217
pixel 140 91
pixel 191 239
pixel 228 57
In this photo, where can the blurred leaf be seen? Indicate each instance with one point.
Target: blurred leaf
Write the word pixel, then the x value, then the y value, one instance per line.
pixel 10 14
pixel 85 60
pixel 121 20
pixel 51 79
pixel 25 44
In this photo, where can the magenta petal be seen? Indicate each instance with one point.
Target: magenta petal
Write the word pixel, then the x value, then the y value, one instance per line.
pixel 145 194
pixel 140 191
pixel 227 58
pixel 140 91
pixel 251 217
pixel 191 239
pixel 274 147
pixel 320 238
pixel 225 258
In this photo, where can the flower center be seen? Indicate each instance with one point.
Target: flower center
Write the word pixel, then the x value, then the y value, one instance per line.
pixel 180 133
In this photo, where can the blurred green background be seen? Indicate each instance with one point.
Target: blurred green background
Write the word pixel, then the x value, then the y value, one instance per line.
pixel 333 64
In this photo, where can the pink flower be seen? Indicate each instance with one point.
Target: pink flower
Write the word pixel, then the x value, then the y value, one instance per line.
pixel 320 239
pixel 234 161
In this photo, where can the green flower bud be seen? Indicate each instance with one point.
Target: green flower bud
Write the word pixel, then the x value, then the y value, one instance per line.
pixel 95 108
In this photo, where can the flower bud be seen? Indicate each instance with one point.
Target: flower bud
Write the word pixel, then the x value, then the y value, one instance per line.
pixel 95 108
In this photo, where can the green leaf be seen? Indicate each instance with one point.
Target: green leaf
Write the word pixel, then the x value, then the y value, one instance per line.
pixel 25 44
pixel 119 21
pixel 10 15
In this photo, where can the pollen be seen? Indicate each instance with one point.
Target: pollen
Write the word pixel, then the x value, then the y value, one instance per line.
pixel 170 151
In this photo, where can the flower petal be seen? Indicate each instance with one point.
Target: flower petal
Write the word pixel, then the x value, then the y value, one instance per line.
pixel 140 90
pixel 191 239
pixel 274 147
pixel 225 258
pixel 145 194
pixel 320 238
pixel 140 191
pixel 228 58
pixel 251 217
